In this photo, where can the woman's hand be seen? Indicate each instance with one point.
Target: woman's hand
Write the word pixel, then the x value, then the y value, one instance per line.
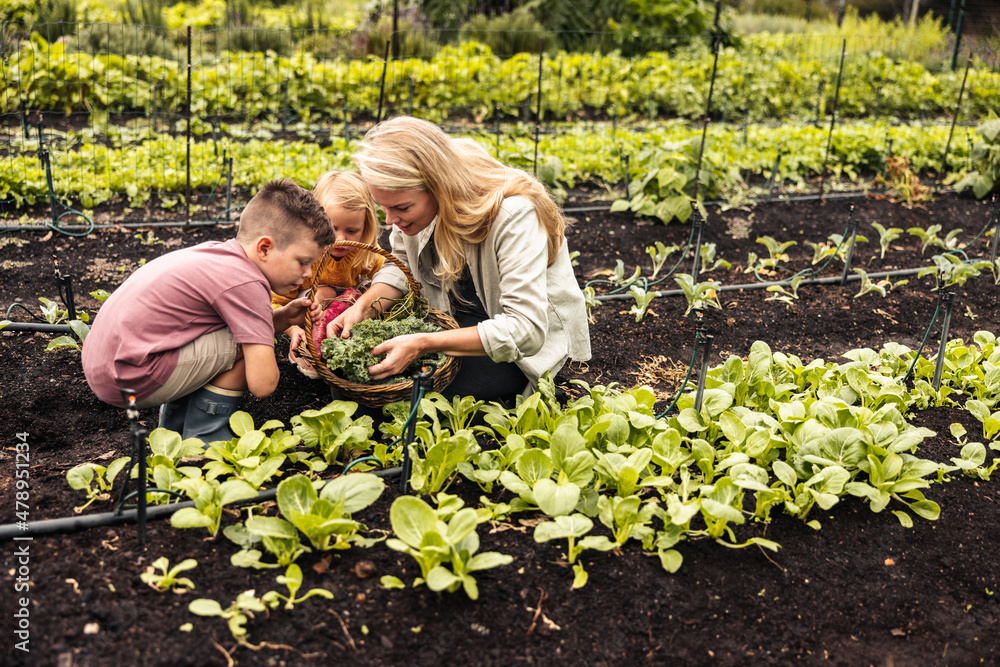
pixel 399 353
pixel 341 325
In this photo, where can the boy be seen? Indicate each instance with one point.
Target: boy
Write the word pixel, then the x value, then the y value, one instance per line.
pixel 193 329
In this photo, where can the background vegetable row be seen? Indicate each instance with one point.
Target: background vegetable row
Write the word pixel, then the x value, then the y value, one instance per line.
pixel 469 81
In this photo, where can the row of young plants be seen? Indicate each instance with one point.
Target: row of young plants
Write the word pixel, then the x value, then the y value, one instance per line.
pixel 468 80
pixel 772 435
pixel 662 162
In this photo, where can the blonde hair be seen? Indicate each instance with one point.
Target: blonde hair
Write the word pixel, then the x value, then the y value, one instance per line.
pixel 405 154
pixel 348 191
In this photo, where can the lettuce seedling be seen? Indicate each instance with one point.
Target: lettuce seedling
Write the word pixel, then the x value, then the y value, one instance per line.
pixel 658 254
pixel 433 471
pixel 642 301
pixel 292 580
pixel 95 480
pixel 279 537
pixel 433 543
pixel 699 295
pixel 252 455
pixel 886 236
pixel 325 518
pixel 236 614
pixel 570 528
pixel 628 518
pixel 209 497
pixel 333 429
pixel 168 579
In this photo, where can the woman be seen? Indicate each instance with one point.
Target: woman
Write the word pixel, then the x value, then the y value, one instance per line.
pixel 486 243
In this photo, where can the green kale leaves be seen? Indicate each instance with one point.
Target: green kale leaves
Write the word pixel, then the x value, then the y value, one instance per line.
pixel 351 357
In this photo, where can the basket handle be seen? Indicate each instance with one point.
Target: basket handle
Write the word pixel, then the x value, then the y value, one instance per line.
pixel 414 285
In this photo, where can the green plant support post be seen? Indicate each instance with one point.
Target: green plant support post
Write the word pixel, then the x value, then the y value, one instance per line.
pixel 705 343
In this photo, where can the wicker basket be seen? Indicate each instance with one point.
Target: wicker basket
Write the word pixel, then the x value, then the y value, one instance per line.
pixel 375 395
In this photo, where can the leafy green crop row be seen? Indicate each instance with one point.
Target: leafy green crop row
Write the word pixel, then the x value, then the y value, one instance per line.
pixel 772 434
pixel 470 81
pixel 663 160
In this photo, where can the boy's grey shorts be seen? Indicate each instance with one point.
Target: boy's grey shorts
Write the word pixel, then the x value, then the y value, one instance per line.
pixel 199 362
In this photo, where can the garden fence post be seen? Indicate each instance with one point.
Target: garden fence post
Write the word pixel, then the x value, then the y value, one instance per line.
pixel 949 303
pixel 347 127
pixel 958 35
pixel 704 128
pixel 496 128
pixel 954 119
pixel 187 135
pixel 852 234
pixel 698 226
pixel 833 118
pixel 229 187
pixel 995 219
pixel 538 107
pixel 381 91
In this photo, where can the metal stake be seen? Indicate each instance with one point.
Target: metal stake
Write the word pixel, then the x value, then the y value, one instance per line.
pixel 954 120
pixel 949 303
pixel 698 223
pixel 852 233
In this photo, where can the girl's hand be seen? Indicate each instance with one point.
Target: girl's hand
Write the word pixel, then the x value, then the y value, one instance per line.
pixel 399 353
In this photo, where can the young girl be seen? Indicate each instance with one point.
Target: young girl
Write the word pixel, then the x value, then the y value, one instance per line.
pixel 347 202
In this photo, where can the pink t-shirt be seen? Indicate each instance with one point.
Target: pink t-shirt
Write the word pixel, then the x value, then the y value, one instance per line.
pixel 165 305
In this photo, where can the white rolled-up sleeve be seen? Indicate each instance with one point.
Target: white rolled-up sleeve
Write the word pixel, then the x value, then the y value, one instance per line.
pixel 518 329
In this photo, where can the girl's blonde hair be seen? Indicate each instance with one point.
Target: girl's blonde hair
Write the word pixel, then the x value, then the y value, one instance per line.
pixel 348 191
pixel 405 154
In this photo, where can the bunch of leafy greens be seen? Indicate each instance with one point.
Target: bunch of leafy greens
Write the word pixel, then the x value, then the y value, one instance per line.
pixel 351 357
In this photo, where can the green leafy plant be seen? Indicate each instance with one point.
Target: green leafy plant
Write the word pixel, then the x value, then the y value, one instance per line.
pixel 351 357
pixel 96 480
pixel 881 287
pixel 949 270
pixel 658 254
pixel 252 455
pixel 642 301
pixel 167 579
pixel 886 236
pixel 985 159
pixel 787 297
pixel 699 295
pixel 573 528
pixel 236 614
pixel 709 261
pixel 929 237
pixel 333 429
pixel 209 496
pixel 325 518
pixel 435 543
pixel 292 580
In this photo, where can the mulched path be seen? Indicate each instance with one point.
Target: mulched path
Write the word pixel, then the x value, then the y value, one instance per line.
pixel 861 591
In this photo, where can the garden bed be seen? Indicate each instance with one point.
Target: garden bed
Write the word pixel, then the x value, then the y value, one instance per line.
pixel 861 590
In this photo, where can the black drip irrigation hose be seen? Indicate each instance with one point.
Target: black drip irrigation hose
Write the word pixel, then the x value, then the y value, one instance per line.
pixel 750 286
pixel 421 382
pixel 153 512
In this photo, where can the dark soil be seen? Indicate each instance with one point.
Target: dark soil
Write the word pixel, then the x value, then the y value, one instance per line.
pixel 861 591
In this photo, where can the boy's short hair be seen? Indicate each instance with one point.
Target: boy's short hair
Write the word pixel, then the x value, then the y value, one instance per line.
pixel 283 210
